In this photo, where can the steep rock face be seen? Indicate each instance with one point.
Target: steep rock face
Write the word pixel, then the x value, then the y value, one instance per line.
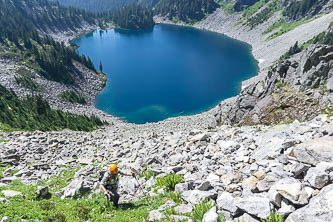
pixel 293 89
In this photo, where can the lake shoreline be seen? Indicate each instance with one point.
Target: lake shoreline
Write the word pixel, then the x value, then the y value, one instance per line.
pixel 206 55
pixel 254 38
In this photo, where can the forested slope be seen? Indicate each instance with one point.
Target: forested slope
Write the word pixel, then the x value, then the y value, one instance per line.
pixel 133 17
pixel 21 25
pixel 185 10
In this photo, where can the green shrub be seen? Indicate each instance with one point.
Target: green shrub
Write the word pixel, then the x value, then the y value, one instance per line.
pixel 279 84
pixel 28 83
pixel 72 97
pixel 169 181
pixel 47 205
pixel 2 169
pixel 35 113
pixel 57 217
pixel 147 174
pixel 82 212
pixel 274 217
pixel 175 197
pixel 201 208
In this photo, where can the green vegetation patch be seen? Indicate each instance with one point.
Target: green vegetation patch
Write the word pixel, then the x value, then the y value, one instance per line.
pixel 288 26
pixel 264 14
pixel 299 9
pixel 253 8
pixel 188 11
pixel 34 113
pixel 94 208
pixel 169 182
pixel 201 208
pixel 72 97
pixel 228 7
pixel 147 174
pixel 274 217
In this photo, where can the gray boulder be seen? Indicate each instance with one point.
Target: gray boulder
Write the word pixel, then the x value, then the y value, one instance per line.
pixel 226 202
pixel 256 205
pixel 156 215
pixel 183 209
pixel 181 187
pixel 317 177
pixel 74 189
pixel 314 151
pixel 128 185
pixel 197 196
pixel 167 205
pixel 289 188
pixel 42 192
pixel 320 208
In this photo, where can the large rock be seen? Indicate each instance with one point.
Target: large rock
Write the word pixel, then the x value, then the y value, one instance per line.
pixel 156 215
pixel 10 193
pixel 181 187
pixel 42 192
pixel 183 209
pixel 320 208
pixel 210 216
pixel 314 151
pixel 128 185
pixel 167 205
pixel 74 189
pixel 250 183
pixel 226 202
pixel 197 196
pixel 255 205
pixel 317 177
pixel 289 188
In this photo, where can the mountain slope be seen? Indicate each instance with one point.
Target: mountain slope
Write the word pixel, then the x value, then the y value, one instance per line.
pixel 23 41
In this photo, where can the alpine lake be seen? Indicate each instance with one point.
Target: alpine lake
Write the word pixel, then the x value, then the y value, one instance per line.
pixel 167 71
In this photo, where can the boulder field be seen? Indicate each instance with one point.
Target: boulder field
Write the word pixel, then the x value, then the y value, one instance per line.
pixel 248 171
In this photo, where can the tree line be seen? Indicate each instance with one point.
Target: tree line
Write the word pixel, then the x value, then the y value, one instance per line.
pixel 22 24
pixel 298 9
pixel 133 17
pixel 34 113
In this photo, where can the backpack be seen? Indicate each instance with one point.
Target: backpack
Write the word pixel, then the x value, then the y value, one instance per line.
pixel 101 175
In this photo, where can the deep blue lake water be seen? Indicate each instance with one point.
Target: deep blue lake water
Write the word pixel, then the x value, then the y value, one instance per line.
pixel 166 72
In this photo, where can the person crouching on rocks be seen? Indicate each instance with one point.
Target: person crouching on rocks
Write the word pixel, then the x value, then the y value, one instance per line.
pixel 109 183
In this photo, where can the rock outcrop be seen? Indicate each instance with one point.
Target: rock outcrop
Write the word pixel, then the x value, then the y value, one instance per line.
pixel 293 89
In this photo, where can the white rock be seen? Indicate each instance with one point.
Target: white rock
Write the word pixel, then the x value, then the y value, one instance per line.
pixel 184 209
pixel 210 216
pixel 156 215
pixel 196 196
pixel 10 193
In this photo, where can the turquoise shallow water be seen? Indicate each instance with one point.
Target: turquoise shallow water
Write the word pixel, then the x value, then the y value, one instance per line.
pixel 166 72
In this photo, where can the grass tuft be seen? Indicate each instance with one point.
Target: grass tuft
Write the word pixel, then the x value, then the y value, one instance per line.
pixel 201 208
pixel 169 182
pixel 274 217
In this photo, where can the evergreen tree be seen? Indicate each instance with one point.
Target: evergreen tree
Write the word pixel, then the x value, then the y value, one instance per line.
pixel 100 66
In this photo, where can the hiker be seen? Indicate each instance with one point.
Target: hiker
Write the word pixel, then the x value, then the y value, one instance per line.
pixel 109 183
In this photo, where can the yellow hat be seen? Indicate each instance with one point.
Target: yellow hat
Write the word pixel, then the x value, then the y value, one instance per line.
pixel 113 169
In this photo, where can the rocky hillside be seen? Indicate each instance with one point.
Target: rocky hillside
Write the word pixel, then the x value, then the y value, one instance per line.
pixel 297 88
pixel 248 172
